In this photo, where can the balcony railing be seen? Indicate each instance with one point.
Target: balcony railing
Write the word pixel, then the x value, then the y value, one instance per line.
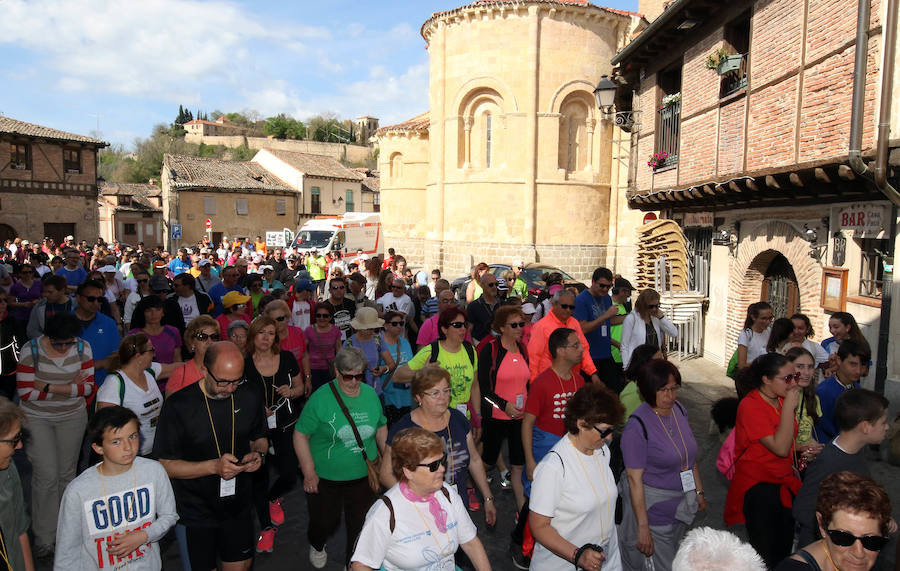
pixel 735 80
pixel 668 124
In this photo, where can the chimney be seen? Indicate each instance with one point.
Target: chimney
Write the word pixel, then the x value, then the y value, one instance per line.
pixel 651 9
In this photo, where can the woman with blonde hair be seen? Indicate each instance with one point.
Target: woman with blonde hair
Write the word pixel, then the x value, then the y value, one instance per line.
pixel 199 334
pixel 645 325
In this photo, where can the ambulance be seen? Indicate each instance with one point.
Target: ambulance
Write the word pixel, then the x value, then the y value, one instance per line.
pixel 347 233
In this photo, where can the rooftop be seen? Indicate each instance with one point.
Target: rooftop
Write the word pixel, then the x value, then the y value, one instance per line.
pixel 196 172
pixel 139 193
pixel 16 127
pixel 418 123
pixel 316 166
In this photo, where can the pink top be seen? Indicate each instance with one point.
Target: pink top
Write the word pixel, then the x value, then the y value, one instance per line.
pixel 295 343
pixel 512 380
pixel 429 332
pixel 321 346
pixel 184 376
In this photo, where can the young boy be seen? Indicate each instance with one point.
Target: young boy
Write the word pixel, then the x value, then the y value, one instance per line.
pixel 850 357
pixel 114 513
pixel 861 417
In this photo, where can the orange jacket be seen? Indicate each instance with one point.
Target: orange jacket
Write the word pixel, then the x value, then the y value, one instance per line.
pixel 539 359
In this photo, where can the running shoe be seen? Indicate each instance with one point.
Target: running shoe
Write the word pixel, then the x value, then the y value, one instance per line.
pixel 266 541
pixel 276 512
pixel 318 558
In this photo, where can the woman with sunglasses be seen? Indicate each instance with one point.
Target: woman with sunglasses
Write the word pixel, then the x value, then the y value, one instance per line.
pixel 55 374
pixel 662 490
pixel 430 388
pixel 277 376
pixel 764 484
pixel 366 323
pixel 853 515
pixel 573 496
pixel 420 523
pixel 646 324
pixel 291 337
pixel 199 334
pixel 324 341
pixel 397 397
pixel 234 305
pixel 133 384
pixel 335 474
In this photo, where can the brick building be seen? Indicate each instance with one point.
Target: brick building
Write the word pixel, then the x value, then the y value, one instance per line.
pixel 751 101
pixel 220 127
pixel 131 213
pixel 513 159
pixel 48 182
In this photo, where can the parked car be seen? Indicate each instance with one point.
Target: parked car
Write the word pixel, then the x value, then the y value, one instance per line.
pixel 531 274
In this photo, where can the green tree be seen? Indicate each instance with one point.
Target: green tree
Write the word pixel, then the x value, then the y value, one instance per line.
pixel 278 126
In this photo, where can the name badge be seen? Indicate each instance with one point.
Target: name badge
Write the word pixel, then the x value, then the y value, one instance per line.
pixel 227 487
pixel 271 421
pixel 604 331
pixel 520 400
pixel 463 408
pixel 687 481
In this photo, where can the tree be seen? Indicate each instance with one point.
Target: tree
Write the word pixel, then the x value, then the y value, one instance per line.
pixel 278 126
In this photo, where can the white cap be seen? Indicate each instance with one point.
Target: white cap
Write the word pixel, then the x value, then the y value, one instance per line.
pixel 69 237
pixel 266 267
pixel 108 270
pixel 528 309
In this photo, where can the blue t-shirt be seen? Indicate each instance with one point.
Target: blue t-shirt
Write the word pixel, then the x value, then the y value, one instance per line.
pixel 73 277
pixel 828 391
pixel 217 292
pixel 104 338
pixel 372 350
pixel 394 395
pixel 179 266
pixel 589 308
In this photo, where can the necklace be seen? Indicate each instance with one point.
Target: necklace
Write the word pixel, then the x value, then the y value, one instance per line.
pixel 828 556
pixel 587 476
pixel 562 388
pixel 434 534
pixel 3 553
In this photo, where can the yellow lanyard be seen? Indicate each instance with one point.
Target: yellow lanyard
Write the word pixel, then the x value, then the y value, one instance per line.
pixel 684 459
pixel 5 555
pixel 213 426
pixel 593 489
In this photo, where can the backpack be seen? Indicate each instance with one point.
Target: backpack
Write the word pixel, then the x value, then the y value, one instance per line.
pixel 390 506
pixel 436 348
pixel 34 351
pixel 644 426
pixel 122 383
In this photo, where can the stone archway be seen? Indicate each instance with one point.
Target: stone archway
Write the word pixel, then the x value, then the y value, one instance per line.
pixel 7 232
pixel 757 249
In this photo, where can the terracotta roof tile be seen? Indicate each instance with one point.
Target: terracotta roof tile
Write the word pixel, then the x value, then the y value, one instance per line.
pixel 138 192
pixel 15 127
pixel 418 123
pixel 196 172
pixel 317 166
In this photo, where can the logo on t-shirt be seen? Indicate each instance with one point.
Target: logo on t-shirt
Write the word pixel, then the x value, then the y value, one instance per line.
pixel 559 404
pixel 117 513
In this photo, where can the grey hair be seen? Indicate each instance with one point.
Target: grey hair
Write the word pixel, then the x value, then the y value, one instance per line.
pixel 350 358
pixel 237 323
pixel 708 549
pixel 558 295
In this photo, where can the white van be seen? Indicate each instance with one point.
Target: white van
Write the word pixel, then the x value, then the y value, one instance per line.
pixel 346 233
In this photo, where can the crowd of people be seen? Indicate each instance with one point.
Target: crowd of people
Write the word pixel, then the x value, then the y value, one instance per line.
pixel 390 402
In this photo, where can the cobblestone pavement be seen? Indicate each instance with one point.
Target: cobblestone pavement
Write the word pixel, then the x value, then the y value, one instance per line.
pixel 704 383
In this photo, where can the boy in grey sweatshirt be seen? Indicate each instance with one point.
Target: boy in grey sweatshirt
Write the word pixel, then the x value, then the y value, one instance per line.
pixel 114 513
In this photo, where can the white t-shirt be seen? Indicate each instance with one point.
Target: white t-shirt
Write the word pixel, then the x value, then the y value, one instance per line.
pixel 189 307
pixel 145 404
pixel 579 493
pixel 754 342
pixel 300 314
pixel 403 304
pixel 416 542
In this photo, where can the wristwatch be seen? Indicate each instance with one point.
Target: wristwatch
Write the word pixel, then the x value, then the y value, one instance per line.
pixel 46 388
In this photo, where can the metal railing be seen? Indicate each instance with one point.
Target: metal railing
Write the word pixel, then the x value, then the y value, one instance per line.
pixel 668 125
pixel 734 81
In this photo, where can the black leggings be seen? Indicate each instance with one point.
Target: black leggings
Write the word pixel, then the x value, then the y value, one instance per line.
pixel 770 526
pixel 354 496
pixel 285 463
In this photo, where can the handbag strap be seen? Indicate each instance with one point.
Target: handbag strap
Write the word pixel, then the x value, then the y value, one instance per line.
pixel 349 418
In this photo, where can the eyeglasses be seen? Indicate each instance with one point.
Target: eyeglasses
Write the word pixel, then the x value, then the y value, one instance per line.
pixel 575 345
pixel 92 298
pixel 18 438
pixel 674 389
pixel 61 344
pixel 457 324
pixel 235 382
pixel 516 324
pixel 281 318
pixel 143 281
pixel 395 323
pixel 567 306
pixel 844 539
pixel 323 316
pixel 353 377
pixel 338 287
pixel 433 466
pixel 604 286
pixel 437 393
pixel 207 336
pixel 605 432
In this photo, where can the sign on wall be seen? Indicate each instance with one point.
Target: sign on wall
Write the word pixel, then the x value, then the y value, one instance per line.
pixel 867 219
pixel 698 220
pixel 275 239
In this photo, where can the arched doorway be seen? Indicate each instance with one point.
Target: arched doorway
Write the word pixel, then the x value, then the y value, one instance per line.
pixel 780 289
pixel 6 233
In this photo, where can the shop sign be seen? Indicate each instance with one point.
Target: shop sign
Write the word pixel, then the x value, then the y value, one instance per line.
pixel 862 218
pixel 698 220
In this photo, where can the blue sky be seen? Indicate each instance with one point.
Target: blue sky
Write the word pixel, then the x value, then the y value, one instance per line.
pixel 129 64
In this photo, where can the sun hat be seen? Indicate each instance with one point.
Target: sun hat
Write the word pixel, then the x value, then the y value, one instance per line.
pixel 366 318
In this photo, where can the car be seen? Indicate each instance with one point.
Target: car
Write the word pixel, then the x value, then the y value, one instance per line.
pixel 532 274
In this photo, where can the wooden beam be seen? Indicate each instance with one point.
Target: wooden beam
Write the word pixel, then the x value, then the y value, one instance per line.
pixel 845 172
pixel 735 187
pixel 751 184
pixel 709 189
pixel 822 175
pixel 772 182
pixel 796 180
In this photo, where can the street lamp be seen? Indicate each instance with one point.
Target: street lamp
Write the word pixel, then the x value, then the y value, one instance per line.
pixel 605 94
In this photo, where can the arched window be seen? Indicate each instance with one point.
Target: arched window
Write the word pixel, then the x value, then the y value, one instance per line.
pixel 480 133
pixel 574 148
pixel 396 167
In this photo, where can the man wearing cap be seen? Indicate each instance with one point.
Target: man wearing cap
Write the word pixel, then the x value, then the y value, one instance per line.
pixel 293 272
pixel 595 312
pixel 620 293
pixel 73 271
pixel 270 283
pixel 301 305
pixel 315 265
pixel 519 286
pixel 206 280
pixel 481 311
pixel 162 288
pixel 230 276
pixel 180 264
pixel 356 291
pixel 342 309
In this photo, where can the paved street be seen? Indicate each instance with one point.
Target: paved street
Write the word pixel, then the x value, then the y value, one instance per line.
pixel 704 382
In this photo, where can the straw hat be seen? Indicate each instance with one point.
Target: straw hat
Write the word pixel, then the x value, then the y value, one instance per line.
pixel 366 318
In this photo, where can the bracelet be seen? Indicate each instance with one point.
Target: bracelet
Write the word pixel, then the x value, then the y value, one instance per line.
pixel 490 499
pixel 701 493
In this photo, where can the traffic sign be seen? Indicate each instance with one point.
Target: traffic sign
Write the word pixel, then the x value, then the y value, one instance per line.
pixel 176 231
pixel 208 224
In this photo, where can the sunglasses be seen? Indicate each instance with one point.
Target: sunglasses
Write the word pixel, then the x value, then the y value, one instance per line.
pixel 791 378
pixel 457 324
pixel 15 440
pixel 281 318
pixel 604 433
pixel 433 466
pixel 207 336
pixel 516 324
pixel 338 287
pixel 323 316
pixel 844 539
pixel 143 281
pixel 567 306
pixel 357 377
pixel 236 382
pixel 395 323
pixel 604 286
pixel 92 298
pixel 493 284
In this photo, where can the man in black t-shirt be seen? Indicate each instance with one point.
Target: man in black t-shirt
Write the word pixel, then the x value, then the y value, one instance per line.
pixel 343 308
pixel 210 457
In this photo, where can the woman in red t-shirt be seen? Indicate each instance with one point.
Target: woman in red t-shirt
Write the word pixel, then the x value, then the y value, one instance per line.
pixel 765 480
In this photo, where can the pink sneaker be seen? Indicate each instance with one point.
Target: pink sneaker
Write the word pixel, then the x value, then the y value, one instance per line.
pixel 276 512
pixel 266 541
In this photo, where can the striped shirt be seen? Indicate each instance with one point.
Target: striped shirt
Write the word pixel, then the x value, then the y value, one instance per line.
pixel 56 371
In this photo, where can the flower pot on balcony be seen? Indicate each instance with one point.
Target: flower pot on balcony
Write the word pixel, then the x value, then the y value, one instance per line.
pixel 729 63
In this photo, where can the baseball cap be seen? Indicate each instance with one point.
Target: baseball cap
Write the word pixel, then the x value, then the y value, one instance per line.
pixel 108 270
pixel 159 283
pixel 204 262
pixel 266 268
pixel 234 298
pixel 528 309
pixel 305 284
pixel 518 263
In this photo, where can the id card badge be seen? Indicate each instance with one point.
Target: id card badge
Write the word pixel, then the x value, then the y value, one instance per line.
pixel 520 400
pixel 271 421
pixel 227 487
pixel 604 331
pixel 463 408
pixel 687 481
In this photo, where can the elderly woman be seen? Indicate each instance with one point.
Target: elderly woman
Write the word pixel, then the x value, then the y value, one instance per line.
pixel 291 338
pixel 853 514
pixel 340 429
pixel 573 497
pixel 420 522
pixel 663 490
pixel 199 334
pixel 133 384
pixel 237 333
pixel 431 390
pixel 277 375
pixel 645 324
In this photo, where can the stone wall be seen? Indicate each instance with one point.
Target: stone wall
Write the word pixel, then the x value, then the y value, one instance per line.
pixel 354 154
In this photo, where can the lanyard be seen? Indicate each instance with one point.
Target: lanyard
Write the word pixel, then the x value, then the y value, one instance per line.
pixel 213 426
pixel 684 459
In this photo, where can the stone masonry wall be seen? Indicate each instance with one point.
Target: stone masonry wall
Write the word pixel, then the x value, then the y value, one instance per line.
pixel 340 151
